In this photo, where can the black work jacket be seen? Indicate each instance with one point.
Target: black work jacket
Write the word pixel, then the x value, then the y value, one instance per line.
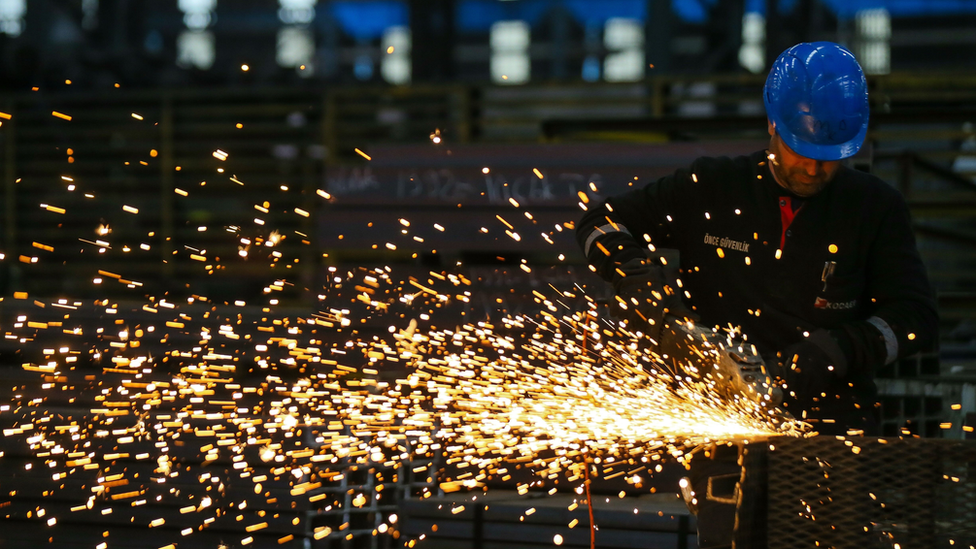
pixel 743 267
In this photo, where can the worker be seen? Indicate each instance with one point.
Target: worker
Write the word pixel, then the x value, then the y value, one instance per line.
pixel 816 262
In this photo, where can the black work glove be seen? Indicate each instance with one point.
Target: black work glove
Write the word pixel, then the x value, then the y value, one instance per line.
pixel 810 366
pixel 650 292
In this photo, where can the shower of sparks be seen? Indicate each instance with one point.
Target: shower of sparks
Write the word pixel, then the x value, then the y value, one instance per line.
pixel 558 392
pixel 132 399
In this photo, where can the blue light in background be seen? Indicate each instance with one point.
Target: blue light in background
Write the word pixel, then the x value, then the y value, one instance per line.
pixel 903 8
pixel 591 68
pixel 363 68
pixel 366 20
pixel 589 12
pixel 478 15
pixel 692 11
pixel 897 8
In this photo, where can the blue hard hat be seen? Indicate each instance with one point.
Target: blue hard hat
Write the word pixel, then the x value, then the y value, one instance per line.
pixel 817 97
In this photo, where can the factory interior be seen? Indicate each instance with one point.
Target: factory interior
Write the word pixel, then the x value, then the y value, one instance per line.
pixel 323 274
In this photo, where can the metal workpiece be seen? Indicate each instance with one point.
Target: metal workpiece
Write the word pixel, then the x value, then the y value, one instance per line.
pixel 857 492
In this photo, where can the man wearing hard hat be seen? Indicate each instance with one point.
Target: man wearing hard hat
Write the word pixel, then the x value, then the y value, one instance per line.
pixel 815 261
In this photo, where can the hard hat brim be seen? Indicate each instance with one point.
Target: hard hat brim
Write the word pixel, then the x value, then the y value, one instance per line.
pixel 824 153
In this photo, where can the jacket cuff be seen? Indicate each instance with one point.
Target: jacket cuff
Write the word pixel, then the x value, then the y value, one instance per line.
pixel 597 232
pixel 890 340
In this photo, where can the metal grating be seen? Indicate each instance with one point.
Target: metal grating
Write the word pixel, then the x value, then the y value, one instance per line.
pixel 871 492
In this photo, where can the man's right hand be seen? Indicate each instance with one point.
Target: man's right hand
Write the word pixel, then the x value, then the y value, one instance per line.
pixel 810 366
pixel 648 292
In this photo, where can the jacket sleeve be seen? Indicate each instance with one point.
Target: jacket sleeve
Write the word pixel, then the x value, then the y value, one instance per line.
pixel 903 309
pixel 624 226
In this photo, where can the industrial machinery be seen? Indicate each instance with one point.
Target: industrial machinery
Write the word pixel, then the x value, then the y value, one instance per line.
pixel 732 367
